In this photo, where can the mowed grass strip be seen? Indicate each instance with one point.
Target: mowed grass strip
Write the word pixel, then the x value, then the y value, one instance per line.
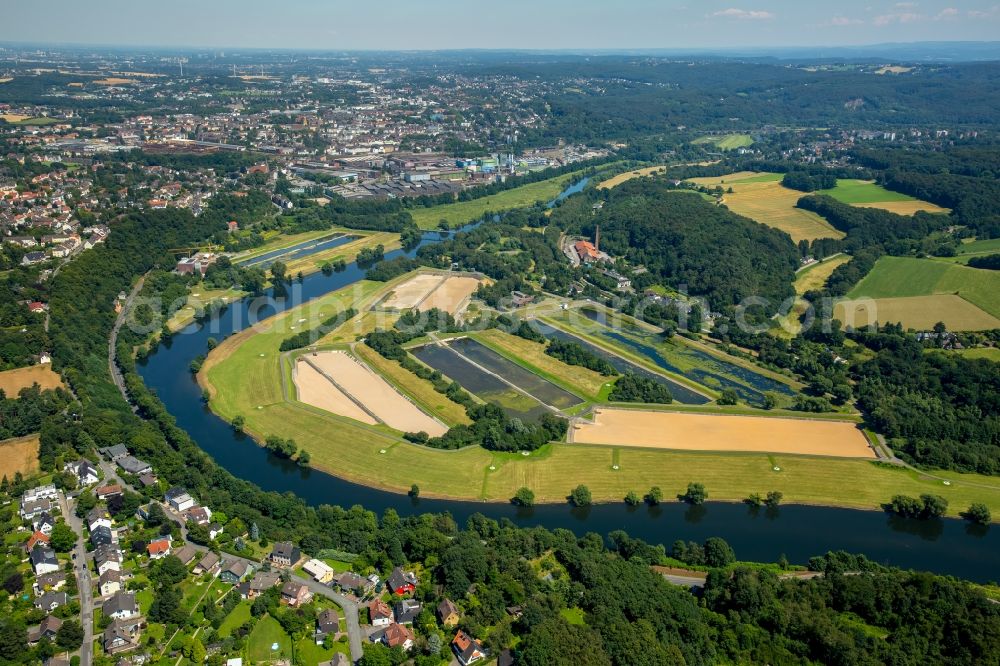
pixel 762 198
pixel 894 277
pixel 420 390
pixel 463 212
pixel 19 454
pixel 12 381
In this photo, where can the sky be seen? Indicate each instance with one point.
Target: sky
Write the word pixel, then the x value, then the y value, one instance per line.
pixel 503 24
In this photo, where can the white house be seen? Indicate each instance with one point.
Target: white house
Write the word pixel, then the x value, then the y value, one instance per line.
pixel 179 499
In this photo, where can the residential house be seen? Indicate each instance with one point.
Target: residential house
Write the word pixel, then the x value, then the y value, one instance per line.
pixel 50 582
pixel 351 582
pixel 234 572
pixel 31 258
pixel 115 453
pixel 103 536
pixel 48 491
pixel 261 583
pixel 207 564
pixel 406 610
pixel 98 517
pixel 467 649
pixel 319 570
pixel 158 549
pixel 122 635
pixel 85 472
pixel 214 530
pixel 295 594
pixel 106 558
pixel 186 554
pixel 447 613
pixel 50 601
pixel 284 554
pixel 132 465
pixel 44 523
pixel 121 606
pixel 108 491
pixel 379 613
pixel 397 635
pixel 401 582
pixel 31 509
pixel 199 515
pixel 47 629
pixel 37 537
pixel 109 583
pixel 148 480
pixel 178 499
pixel 327 624
pixel 43 560
pixel 339 659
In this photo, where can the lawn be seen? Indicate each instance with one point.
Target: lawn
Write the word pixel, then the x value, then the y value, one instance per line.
pixel 896 277
pixel 310 654
pixel 419 390
pixel 266 633
pixel 463 212
pixel 762 197
pixel 19 454
pixel 237 618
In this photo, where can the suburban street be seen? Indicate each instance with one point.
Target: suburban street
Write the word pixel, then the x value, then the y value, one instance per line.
pixel 83 581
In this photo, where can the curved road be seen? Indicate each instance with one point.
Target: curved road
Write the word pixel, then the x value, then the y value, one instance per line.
pixel 116 373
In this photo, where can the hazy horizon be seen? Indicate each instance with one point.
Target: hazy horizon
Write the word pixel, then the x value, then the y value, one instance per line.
pixel 556 25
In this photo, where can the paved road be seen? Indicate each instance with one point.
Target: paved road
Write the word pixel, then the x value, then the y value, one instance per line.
pixel 84 582
pixel 116 374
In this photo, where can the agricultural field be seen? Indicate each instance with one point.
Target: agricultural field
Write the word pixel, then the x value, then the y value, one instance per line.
pixel 615 181
pixel 726 142
pixel 763 198
pixel 12 381
pixel 354 385
pixel 463 212
pixel 914 291
pixel 866 194
pixel 19 455
pixel 17 119
pixel 809 278
pixel 989 353
pixel 714 432
pixel 976 248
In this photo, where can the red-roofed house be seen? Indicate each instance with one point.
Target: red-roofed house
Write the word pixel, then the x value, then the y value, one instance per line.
pixel 36 538
pixel 158 549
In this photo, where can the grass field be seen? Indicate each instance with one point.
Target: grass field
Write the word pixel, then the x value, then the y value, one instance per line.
pixel 976 248
pixel 265 633
pixel 916 312
pixel 198 299
pixel 726 142
pixel 19 455
pixel 866 193
pixel 237 618
pixel 615 181
pixel 762 197
pixel 905 277
pixel 16 119
pixel 810 277
pixel 12 381
pixel 462 212
pixel 990 353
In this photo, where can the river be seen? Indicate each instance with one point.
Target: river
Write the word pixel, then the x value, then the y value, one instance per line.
pixel 944 546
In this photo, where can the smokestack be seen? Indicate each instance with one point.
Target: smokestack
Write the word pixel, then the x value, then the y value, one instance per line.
pixel 597 238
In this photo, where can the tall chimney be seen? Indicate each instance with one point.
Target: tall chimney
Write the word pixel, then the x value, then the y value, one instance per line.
pixel 597 238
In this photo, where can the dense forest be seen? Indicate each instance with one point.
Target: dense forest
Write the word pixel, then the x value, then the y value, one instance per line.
pixel 683 240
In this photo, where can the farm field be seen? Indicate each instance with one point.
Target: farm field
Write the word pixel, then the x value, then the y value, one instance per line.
pixel 976 248
pixel 807 279
pixel 419 389
pixel 917 312
pixel 762 197
pixel 463 212
pixel 17 119
pixel 898 277
pixel 989 353
pixel 712 432
pixel 867 194
pixel 726 142
pixel 19 455
pixel 377 396
pixel 615 181
pixel 12 381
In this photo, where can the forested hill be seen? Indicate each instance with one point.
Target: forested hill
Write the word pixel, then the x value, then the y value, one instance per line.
pixel 684 240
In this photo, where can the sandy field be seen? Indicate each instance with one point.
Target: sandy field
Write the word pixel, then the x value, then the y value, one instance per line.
pixel 710 432
pixel 18 455
pixel 378 395
pixel 407 295
pixel 919 312
pixel 12 381
pixel 316 390
pixel 904 207
pixel 451 294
